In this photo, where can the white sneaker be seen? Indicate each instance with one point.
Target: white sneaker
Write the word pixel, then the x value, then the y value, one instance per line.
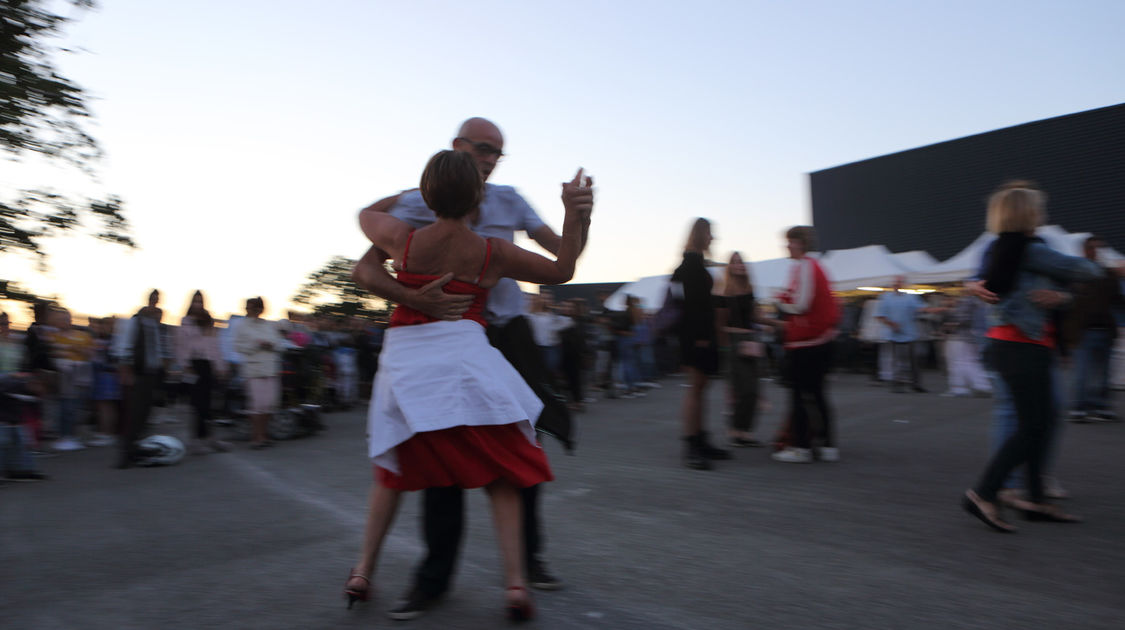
pixel 793 455
pixel 828 454
pixel 68 444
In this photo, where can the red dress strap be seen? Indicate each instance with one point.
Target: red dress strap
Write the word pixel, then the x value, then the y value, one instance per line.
pixel 487 259
pixel 406 250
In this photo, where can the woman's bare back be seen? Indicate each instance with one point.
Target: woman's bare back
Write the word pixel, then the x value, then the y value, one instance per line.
pixel 441 248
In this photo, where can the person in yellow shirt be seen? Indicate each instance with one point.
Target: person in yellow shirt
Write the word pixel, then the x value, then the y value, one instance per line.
pixel 72 349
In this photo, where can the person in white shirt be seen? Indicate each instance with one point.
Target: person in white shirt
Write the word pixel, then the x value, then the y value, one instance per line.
pixel 260 345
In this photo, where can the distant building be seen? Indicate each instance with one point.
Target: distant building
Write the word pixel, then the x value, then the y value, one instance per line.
pixel 588 292
pixel 933 198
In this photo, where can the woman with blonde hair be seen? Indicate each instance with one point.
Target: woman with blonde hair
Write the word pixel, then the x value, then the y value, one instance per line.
pixel 738 318
pixel 1022 336
pixel 699 352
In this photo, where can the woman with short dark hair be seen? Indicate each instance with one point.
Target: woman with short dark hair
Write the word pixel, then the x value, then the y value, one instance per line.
pixel 447 409
pixel 811 314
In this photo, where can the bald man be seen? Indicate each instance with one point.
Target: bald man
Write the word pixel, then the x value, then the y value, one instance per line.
pixel 502 213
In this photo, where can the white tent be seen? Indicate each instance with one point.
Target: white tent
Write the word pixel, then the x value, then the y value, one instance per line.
pixel 963 265
pixel 650 290
pixel 915 260
pixel 872 265
pixel 966 264
pixel 767 276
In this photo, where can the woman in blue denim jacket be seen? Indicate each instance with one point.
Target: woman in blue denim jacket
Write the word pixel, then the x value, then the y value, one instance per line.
pixel 1022 337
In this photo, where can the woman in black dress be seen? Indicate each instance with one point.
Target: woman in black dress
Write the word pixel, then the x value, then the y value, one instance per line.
pixel 699 352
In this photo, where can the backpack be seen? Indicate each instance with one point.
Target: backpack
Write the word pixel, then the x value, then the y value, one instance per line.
pixel 668 319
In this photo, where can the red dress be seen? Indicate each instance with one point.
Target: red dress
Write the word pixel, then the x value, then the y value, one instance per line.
pixel 462 456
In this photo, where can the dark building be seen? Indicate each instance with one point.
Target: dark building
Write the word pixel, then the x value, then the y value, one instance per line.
pixel 933 198
pixel 587 292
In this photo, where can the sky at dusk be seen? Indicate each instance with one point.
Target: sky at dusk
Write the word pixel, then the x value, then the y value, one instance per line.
pixel 245 136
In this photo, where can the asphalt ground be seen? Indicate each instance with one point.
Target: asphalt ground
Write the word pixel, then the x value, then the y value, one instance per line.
pixel 264 539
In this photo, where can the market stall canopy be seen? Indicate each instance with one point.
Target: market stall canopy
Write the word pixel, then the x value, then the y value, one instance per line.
pixel 767 276
pixel 966 264
pixel 915 260
pixel 869 266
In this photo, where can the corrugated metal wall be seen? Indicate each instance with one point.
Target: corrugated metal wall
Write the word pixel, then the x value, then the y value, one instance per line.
pixel 933 197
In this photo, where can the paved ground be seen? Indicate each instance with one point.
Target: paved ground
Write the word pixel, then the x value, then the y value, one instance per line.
pixel 264 539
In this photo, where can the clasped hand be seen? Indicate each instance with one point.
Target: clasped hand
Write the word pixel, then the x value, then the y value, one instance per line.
pixel 578 196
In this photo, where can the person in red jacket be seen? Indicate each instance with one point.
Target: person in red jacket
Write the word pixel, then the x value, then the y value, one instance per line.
pixel 811 314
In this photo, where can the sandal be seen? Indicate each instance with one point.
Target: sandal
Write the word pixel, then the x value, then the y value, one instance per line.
pixel 353 593
pixel 1050 513
pixel 519 606
pixel 987 512
pixel 1033 511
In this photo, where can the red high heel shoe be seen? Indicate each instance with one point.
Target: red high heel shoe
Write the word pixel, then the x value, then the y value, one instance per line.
pixel 521 609
pixel 352 593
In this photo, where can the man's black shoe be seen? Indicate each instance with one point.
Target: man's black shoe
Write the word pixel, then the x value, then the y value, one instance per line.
pixel 413 605
pixel 920 389
pixel 693 455
pixel 711 452
pixel 540 578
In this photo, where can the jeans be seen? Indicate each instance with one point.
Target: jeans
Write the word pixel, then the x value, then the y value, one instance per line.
pixel 630 372
pixel 646 359
pixel 1026 375
pixel 1091 370
pixel 67 410
pixel 15 440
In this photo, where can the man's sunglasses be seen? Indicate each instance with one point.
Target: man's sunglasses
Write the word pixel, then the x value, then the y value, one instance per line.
pixel 483 148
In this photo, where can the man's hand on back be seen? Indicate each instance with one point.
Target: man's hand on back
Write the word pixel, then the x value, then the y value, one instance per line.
pixel 432 301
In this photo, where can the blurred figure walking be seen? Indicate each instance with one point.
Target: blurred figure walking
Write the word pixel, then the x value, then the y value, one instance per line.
pixel 1092 330
pixel 738 314
pixel 199 359
pixel 810 327
pixel 260 344
pixel 699 352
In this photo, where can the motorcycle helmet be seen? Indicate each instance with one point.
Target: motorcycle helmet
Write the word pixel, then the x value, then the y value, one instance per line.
pixel 160 450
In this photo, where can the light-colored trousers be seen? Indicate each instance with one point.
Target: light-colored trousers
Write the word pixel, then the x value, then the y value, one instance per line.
pixel 962 360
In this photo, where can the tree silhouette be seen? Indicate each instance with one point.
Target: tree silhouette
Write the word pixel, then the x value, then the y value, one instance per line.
pixel 42 114
pixel 331 291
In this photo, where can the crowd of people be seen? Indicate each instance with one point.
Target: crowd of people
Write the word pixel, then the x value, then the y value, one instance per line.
pixel 470 372
pixel 72 387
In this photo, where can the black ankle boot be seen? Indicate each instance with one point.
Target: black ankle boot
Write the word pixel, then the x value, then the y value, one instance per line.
pixel 693 455
pixel 710 452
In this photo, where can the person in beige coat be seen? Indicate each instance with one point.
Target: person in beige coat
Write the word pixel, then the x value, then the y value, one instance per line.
pixel 260 344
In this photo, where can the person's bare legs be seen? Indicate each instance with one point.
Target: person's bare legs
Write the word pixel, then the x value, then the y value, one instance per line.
pixel 107 416
pixel 507 516
pixel 382 505
pixel 258 428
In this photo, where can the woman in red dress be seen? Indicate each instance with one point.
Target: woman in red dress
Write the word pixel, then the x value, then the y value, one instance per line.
pixel 446 408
